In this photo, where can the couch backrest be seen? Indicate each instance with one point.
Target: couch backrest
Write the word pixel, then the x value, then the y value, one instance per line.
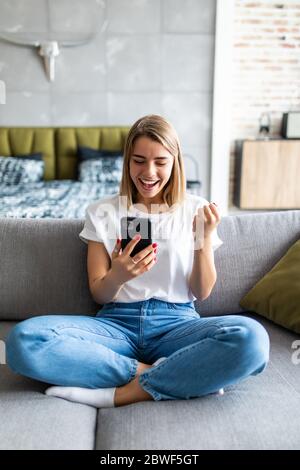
pixel 252 246
pixel 43 263
pixel 59 145
pixel 43 268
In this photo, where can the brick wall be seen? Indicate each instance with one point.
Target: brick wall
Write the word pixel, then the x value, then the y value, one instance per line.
pixel 266 68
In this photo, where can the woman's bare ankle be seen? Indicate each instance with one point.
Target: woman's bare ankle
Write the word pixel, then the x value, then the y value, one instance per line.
pixel 141 367
pixel 131 393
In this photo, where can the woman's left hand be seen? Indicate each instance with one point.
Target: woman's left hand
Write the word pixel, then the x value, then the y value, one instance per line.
pixel 206 220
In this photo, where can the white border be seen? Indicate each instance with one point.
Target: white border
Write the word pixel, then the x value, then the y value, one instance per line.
pixel 222 98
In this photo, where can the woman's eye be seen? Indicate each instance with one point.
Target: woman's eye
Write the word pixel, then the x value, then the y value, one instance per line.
pixel 140 163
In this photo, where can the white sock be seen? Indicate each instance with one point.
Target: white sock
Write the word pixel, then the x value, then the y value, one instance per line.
pixel 98 397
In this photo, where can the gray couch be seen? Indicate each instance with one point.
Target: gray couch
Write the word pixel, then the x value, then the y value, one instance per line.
pixel 43 270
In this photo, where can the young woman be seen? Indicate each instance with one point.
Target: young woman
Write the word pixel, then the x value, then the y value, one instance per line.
pixel 147 342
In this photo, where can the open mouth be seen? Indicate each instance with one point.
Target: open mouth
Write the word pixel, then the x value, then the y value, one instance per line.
pixel 148 186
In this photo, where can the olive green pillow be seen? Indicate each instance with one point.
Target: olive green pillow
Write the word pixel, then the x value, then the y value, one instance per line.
pixel 277 295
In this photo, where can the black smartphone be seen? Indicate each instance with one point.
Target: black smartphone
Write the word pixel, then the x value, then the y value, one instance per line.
pixel 131 226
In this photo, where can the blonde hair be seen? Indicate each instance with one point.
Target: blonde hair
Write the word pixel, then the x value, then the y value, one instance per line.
pixel 159 129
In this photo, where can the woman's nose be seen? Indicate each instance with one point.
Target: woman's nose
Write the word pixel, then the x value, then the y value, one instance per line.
pixel 150 169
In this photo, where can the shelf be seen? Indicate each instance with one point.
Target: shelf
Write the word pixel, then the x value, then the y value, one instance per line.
pixel 267 174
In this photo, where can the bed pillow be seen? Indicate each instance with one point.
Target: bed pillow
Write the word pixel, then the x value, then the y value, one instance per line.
pixel 101 170
pixel 277 295
pixel 31 156
pixel 99 166
pixel 87 153
pixel 21 169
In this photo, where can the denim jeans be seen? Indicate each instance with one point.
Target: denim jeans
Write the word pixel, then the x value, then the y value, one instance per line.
pixel 203 354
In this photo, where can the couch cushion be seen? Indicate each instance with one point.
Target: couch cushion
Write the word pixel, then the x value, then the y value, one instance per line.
pixel 252 245
pixel 277 294
pixel 261 412
pixel 31 420
pixel 258 414
pixel 285 352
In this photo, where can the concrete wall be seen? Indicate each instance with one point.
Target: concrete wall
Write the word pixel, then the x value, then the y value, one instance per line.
pixel 149 56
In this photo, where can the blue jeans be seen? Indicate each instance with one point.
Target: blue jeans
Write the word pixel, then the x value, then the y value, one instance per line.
pixel 203 354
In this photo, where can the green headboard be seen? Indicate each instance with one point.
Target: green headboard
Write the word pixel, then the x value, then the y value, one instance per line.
pixel 58 145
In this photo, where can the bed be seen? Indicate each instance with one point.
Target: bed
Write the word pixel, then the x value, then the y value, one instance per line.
pixel 51 199
pixel 60 194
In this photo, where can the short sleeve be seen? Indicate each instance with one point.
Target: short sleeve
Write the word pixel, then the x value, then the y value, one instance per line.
pixel 89 231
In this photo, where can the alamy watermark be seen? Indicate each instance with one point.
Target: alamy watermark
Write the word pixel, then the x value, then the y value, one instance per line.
pixel 296 354
pixel 2 352
pixel 107 220
pixel 2 92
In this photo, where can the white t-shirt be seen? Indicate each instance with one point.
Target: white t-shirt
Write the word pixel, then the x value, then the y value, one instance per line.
pixel 173 232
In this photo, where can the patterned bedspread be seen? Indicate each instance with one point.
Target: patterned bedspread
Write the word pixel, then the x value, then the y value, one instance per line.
pixel 51 199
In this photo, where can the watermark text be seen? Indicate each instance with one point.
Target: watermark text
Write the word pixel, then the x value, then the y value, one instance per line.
pixel 2 92
pixel 296 354
pixel 2 352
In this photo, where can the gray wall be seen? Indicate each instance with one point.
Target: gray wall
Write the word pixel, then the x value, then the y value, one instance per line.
pixel 149 56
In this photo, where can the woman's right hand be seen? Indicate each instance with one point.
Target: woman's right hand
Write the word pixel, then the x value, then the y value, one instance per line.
pixel 124 267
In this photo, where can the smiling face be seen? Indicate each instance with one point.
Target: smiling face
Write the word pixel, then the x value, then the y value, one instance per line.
pixel 150 169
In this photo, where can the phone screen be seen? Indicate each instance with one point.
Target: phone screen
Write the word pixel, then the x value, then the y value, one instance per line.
pixel 131 226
